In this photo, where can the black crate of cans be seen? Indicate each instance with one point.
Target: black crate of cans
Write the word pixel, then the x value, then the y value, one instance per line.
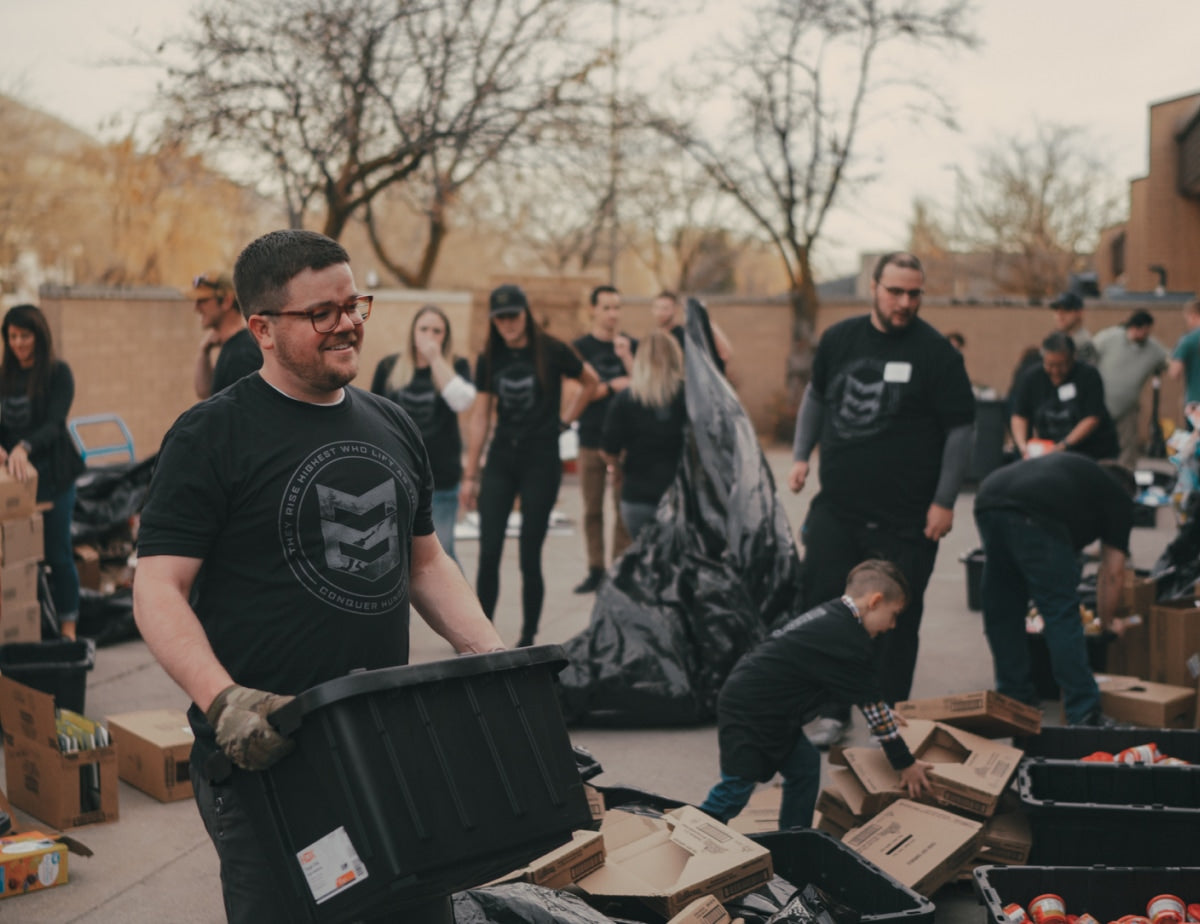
pixel 1111 813
pixel 411 783
pixel 1106 894
pixel 1074 742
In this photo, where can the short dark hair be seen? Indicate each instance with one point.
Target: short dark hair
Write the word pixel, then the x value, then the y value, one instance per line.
pixel 1140 318
pixel 266 266
pixel 668 294
pixel 877 574
pixel 901 258
pixel 1121 475
pixel 600 290
pixel 1058 342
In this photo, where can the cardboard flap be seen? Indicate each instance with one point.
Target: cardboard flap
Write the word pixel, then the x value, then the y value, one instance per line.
pixel 27 714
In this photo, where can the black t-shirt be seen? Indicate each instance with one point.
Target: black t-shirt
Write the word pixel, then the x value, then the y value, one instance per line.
pixel 602 356
pixel 1053 411
pixel 823 656
pixel 239 357
pixel 527 410
pixel 303 516
pixel 652 438
pixel 889 401
pixel 1062 490
pixel 436 420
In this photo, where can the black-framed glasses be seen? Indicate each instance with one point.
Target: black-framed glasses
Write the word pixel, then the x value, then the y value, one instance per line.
pixel 896 292
pixel 326 318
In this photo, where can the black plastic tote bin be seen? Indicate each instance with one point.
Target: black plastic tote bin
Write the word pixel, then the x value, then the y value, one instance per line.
pixel 974 565
pixel 438 777
pixel 57 667
pixel 1073 742
pixel 1105 894
pixel 1111 814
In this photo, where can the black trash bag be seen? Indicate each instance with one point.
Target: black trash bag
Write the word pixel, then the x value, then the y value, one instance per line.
pixel 780 902
pixel 107 618
pixel 523 903
pixel 586 763
pixel 700 584
pixel 105 499
pixel 1178 568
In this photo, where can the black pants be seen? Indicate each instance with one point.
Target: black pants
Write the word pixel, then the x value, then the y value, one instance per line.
pixel 533 472
pixel 833 544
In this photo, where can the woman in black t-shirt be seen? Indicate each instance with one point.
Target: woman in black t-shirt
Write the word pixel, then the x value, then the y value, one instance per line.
pixel 646 421
pixel 36 391
pixel 433 386
pixel 519 377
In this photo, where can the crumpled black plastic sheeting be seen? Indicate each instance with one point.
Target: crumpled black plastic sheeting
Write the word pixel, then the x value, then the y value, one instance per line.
pixel 106 497
pixel 1178 568
pixel 523 903
pixel 700 583
pixel 106 618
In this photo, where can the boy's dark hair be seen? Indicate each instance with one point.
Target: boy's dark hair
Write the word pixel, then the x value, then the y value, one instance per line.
pixel 264 269
pixel 876 574
pixel 598 291
pixel 1121 475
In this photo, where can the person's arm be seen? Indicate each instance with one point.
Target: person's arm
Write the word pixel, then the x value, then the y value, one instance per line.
pixel 1019 426
pixel 1175 370
pixel 1078 434
pixel 49 428
pixel 956 457
pixel 886 730
pixel 1109 580
pixel 623 347
pixel 477 430
pixel 454 388
pixel 809 420
pixel 202 374
pixel 612 434
pixel 444 599
pixel 590 382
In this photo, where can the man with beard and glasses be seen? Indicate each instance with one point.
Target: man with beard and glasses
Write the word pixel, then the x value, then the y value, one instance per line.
pixel 891 407
pixel 288 527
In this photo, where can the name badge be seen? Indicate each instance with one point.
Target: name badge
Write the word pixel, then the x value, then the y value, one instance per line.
pixel 897 372
pixel 1066 392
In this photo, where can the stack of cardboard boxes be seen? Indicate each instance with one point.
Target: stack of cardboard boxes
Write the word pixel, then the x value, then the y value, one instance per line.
pixel 21 548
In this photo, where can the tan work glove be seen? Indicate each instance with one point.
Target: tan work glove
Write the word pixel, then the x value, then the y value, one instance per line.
pixel 239 717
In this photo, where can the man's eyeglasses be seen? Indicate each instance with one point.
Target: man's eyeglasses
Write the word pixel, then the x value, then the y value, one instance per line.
pixel 326 318
pixel 896 292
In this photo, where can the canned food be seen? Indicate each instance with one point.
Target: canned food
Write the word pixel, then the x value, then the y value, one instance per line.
pixel 1016 914
pixel 1086 918
pixel 1142 754
pixel 1099 757
pixel 1166 909
pixel 1193 912
pixel 1134 919
pixel 1048 909
pixel 1171 762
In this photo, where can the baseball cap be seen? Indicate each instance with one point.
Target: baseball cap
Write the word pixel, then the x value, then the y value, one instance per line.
pixel 1140 318
pixel 506 299
pixel 1068 301
pixel 209 282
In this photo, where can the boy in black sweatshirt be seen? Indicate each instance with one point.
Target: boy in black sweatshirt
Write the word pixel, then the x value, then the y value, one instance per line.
pixel 819 657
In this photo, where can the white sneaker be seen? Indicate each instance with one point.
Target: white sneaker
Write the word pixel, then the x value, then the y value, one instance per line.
pixel 827 732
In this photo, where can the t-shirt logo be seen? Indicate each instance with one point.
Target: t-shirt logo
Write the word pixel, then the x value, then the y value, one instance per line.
pixel 361 535
pixel 517 395
pixel 861 400
pixel 421 407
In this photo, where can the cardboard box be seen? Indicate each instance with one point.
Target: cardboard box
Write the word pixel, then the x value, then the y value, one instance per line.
pixel 920 846
pixel 567 864
pixel 1152 705
pixel 666 863
pixel 821 823
pixel 20 623
pixel 984 712
pixel 22 538
pixel 31 862
pixel 153 749
pixel 64 790
pixel 832 801
pixel 761 813
pixel 595 801
pixel 87 563
pixel 706 910
pixel 1006 839
pixel 18 500
pixel 1174 638
pixel 970 773
pixel 1130 654
pixel 19 583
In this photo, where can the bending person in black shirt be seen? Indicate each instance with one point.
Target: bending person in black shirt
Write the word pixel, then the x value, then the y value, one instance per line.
pixel 820 657
pixel 645 423
pixel 434 386
pixel 519 377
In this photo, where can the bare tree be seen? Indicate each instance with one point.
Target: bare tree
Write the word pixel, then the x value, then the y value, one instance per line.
pixel 1037 204
pixel 340 101
pixel 803 79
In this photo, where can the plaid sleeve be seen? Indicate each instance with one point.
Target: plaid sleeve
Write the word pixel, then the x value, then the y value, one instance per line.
pixel 885 730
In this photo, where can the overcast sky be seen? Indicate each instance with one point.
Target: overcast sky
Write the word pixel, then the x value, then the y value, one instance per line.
pixel 1093 63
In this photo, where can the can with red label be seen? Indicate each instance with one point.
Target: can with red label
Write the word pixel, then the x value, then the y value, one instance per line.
pixel 1099 757
pixel 1016 914
pixel 1166 909
pixel 1142 754
pixel 1086 918
pixel 1171 762
pixel 1048 909
pixel 1194 912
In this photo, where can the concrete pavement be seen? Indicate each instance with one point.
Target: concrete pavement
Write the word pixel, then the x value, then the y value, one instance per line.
pixel 156 864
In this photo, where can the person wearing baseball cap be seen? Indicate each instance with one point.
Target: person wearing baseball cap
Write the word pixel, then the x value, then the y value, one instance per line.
pixel 1068 318
pixel 225 330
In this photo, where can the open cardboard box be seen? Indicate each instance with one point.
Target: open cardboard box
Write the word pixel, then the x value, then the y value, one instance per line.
pixel 842 801
pixel 64 790
pixel 984 712
pixel 666 863
pixel 153 751
pixel 761 813
pixel 706 910
pixel 920 846
pixel 969 774
pixel 565 865
pixel 32 860
pixel 1132 701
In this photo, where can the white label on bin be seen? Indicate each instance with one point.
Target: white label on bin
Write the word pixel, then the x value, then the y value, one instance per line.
pixel 331 866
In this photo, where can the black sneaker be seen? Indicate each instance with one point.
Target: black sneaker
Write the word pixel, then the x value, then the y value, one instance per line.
pixel 591 583
pixel 1098 719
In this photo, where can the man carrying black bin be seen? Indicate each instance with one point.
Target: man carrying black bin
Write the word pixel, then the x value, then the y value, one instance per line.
pixel 1034 517
pixel 287 528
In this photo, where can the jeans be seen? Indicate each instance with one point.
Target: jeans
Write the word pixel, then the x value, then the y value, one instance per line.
pixel 60 556
pixel 1027 559
pixel 593 476
pixel 534 473
pixel 445 514
pixel 636 515
pixel 801 772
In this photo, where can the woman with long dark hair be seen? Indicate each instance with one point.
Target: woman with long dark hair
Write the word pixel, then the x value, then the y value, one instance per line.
pixel 36 391
pixel 434 386
pixel 643 430
pixel 519 376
